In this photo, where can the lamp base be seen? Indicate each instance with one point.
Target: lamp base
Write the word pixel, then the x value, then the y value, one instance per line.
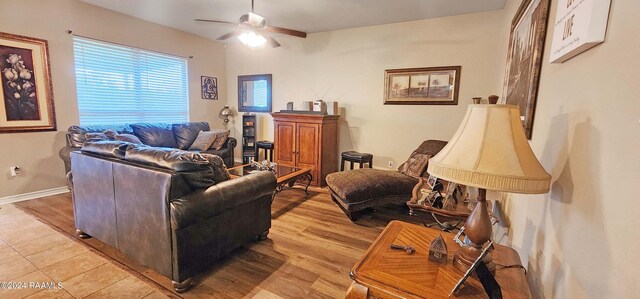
pixel 478 232
pixel 466 256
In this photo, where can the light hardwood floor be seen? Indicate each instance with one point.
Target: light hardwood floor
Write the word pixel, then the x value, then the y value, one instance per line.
pixel 309 252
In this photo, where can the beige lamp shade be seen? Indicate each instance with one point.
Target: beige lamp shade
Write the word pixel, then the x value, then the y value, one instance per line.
pixel 490 151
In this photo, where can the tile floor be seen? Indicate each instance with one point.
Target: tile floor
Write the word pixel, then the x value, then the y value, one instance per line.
pixel 32 252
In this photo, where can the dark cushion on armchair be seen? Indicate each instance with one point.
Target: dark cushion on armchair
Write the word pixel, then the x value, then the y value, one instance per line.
pixel 360 185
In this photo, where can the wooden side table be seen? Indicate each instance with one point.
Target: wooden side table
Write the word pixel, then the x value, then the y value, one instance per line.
pixel 386 273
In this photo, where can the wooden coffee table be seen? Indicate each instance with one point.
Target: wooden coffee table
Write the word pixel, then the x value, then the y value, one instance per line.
pixel 286 176
pixel 386 273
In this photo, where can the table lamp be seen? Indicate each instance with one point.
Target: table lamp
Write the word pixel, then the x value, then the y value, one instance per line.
pixel 226 112
pixel 488 151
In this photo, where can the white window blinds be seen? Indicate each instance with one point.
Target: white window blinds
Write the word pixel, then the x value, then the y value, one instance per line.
pixel 118 84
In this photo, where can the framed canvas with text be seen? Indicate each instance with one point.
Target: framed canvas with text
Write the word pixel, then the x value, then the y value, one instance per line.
pixel 422 86
pixel 524 59
pixel 27 94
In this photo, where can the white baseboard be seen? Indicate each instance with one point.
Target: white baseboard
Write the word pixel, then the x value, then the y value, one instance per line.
pixel 33 195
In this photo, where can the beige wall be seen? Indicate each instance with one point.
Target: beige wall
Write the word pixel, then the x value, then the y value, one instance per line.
pixel 581 239
pixel 348 65
pixel 37 153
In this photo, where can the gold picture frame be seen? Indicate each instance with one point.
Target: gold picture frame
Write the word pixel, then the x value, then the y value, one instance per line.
pixel 422 86
pixel 25 77
pixel 524 59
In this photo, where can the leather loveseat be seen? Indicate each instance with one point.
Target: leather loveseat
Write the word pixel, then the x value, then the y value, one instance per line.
pixel 174 211
pixel 179 136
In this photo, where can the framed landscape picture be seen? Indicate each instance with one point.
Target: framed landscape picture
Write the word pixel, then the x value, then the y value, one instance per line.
pixel 27 96
pixel 524 59
pixel 422 86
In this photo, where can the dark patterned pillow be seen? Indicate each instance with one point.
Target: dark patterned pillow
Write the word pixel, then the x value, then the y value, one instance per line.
pixel 221 138
pixel 416 165
pixel 219 169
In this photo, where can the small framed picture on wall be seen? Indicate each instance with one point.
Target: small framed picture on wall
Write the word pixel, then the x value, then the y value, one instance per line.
pixel 209 87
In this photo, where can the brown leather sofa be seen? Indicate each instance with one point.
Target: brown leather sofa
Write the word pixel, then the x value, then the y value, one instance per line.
pixel 173 211
pixel 179 136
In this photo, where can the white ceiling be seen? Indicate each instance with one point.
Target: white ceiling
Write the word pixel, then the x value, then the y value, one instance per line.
pixel 304 15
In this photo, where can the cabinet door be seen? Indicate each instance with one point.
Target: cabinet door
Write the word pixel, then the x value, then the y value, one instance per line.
pixel 307 147
pixel 285 143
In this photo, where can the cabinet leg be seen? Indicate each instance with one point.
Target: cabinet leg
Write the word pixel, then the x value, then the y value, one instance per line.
pixel 357 291
pixel 183 286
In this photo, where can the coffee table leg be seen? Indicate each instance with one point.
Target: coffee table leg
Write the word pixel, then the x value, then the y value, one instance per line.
pixel 309 178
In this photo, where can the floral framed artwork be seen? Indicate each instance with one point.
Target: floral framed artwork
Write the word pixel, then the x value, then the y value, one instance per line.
pixel 27 94
pixel 209 86
pixel 524 59
pixel 422 86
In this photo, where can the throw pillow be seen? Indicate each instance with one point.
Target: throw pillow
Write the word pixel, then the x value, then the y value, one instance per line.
pixel 221 138
pixel 203 141
pixel 220 172
pixel 95 136
pixel 128 138
pixel 416 165
pixel 110 133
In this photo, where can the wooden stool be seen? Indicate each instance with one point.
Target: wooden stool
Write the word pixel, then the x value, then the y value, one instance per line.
pixel 266 146
pixel 353 156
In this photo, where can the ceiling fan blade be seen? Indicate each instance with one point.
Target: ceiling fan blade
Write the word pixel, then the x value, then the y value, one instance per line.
pixel 286 31
pixel 214 21
pixel 229 35
pixel 272 42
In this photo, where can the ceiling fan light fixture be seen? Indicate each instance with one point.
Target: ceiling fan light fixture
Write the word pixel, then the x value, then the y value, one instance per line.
pixel 252 39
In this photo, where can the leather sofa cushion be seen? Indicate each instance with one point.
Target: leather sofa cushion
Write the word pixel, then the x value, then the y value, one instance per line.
pixel 76 134
pixel 167 158
pixel 223 152
pixel 364 184
pixel 155 134
pixel 128 138
pixel 106 148
pixel 186 133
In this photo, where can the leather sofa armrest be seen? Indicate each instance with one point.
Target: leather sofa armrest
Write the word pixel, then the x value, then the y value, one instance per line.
pixel 65 155
pixel 203 204
pixel 230 143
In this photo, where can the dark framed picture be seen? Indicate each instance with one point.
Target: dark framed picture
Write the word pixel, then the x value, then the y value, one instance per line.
pixel 524 59
pixel 422 86
pixel 209 86
pixel 27 95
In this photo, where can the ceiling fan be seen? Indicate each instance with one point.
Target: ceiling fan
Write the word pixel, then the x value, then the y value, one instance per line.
pixel 252 29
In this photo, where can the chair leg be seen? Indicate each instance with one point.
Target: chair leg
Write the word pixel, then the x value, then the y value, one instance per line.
pixel 351 164
pixel 371 163
pixel 342 164
pixel 361 164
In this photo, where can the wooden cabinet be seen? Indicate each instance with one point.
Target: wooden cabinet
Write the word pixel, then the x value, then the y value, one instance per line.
pixel 307 141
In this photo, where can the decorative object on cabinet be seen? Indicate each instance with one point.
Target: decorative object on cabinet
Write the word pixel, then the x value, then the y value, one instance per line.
pixel 254 93
pixel 307 141
pixel 249 131
pixel 422 86
pixel 511 167
pixel 209 87
pixel 579 26
pixel 320 106
pixel 383 273
pixel 27 100
pixel 524 59
pixel 225 113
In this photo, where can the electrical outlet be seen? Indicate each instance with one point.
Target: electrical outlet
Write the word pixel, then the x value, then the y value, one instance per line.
pixel 14 170
pixel 390 164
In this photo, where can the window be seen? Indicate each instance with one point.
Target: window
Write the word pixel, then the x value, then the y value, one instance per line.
pixel 118 84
